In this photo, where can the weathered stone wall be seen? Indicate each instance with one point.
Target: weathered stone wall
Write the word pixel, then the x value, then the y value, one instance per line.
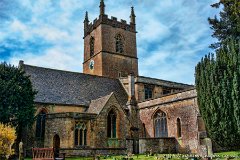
pixel 58 108
pixel 157 145
pixel 113 64
pixel 158 86
pixel 109 43
pixel 97 34
pixel 100 126
pixel 107 62
pixel 181 105
pixel 61 126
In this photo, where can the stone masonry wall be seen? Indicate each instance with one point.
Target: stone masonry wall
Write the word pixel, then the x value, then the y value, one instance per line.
pixel 181 105
pixel 157 145
pixel 64 128
pixel 100 128
pixel 107 62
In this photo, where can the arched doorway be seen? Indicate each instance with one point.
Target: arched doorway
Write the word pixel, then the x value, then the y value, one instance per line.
pixel 56 145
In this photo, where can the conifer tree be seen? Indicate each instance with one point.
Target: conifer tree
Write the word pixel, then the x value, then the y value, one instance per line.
pixel 218 88
pixel 16 98
pixel 228 24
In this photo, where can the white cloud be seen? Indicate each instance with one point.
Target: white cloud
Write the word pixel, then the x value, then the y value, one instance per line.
pixel 170 33
pixel 52 58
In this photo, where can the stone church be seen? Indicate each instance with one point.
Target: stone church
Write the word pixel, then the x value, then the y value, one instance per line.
pixel 110 108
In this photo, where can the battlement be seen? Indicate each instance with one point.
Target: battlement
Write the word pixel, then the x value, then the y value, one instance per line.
pixel 113 21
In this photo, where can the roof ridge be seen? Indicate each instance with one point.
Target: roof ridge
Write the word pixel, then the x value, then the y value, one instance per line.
pixel 67 71
pixel 165 80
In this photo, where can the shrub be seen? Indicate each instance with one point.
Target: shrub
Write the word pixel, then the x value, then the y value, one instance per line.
pixel 7 138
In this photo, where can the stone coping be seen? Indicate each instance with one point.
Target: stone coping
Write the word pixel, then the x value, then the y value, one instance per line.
pixel 74 115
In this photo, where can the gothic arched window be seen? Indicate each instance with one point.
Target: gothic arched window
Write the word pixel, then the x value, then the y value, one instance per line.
pixel 111 124
pixel 119 43
pixel 179 128
pixel 80 134
pixel 160 124
pixel 40 124
pixel 91 46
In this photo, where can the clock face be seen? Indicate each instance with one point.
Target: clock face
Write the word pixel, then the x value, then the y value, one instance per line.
pixel 91 65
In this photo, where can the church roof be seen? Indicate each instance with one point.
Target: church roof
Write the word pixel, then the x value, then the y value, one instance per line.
pixel 97 105
pixel 71 88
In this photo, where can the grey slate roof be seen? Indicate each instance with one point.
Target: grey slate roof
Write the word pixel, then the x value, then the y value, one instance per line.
pixel 97 105
pixel 71 88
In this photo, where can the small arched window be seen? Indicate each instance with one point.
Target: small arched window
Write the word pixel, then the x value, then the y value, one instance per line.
pixel 80 134
pixel 111 124
pixel 179 128
pixel 40 124
pixel 160 124
pixel 91 46
pixel 119 43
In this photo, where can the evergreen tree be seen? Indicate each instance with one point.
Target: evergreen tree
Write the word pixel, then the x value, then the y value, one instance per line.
pixel 218 88
pixel 228 24
pixel 16 98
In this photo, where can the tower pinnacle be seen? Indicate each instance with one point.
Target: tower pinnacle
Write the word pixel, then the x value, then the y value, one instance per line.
pixel 132 16
pixel 86 17
pixel 86 23
pixel 102 7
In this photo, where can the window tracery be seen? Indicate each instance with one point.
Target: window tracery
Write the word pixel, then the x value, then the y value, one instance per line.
pixel 160 124
pixel 80 134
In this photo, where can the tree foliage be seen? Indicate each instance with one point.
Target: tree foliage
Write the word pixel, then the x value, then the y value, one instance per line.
pixel 228 24
pixel 7 138
pixel 16 97
pixel 218 88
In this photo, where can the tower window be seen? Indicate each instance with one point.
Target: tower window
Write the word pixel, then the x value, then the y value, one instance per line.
pixel 40 124
pixel 160 124
pixel 91 46
pixel 148 90
pixel 80 134
pixel 119 43
pixel 111 124
pixel 179 129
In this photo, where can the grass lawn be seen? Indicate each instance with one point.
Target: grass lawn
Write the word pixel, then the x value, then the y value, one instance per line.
pixel 235 154
pixel 218 156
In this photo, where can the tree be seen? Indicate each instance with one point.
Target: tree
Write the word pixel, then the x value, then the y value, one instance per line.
pixel 7 138
pixel 16 98
pixel 218 88
pixel 228 24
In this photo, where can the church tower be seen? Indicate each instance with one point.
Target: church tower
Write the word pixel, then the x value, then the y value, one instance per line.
pixel 110 48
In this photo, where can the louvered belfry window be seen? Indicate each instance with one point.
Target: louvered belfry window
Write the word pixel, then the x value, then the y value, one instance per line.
pixel 91 46
pixel 119 43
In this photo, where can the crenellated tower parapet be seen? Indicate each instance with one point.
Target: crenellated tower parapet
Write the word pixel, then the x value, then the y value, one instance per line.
pixel 110 47
pixel 113 21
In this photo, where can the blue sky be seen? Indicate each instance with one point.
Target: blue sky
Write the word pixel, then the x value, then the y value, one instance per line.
pixel 172 35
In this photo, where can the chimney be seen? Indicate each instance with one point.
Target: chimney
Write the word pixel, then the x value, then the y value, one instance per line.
pixel 20 64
